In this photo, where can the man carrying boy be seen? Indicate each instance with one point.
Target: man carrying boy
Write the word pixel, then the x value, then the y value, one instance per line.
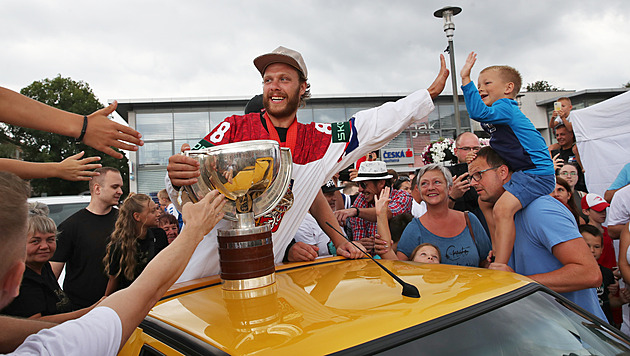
pixel 516 140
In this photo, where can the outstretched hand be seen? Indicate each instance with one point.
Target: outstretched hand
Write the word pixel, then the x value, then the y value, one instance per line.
pixel 381 202
pixel 440 81
pixel 183 170
pixel 205 214
pixel 103 133
pixel 74 168
pixel 465 72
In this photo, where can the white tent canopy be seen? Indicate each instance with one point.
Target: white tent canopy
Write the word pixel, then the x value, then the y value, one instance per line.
pixel 602 133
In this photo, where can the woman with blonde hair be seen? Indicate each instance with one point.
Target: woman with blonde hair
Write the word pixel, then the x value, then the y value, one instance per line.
pixel 132 244
pixel 40 296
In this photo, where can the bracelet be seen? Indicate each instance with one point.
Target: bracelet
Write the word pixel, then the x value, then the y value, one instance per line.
pixel 83 129
pixel 357 209
pixel 451 198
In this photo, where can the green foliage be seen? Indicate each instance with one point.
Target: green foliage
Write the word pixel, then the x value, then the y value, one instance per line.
pixel 627 85
pixel 38 146
pixel 541 85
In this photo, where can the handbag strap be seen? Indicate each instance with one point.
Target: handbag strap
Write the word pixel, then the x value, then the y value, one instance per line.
pixel 472 234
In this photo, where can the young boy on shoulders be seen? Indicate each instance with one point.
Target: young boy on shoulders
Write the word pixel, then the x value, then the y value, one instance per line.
pixel 516 140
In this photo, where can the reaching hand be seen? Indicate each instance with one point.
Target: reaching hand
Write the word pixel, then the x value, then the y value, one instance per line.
pixel 471 156
pixel 205 214
pixel 461 185
pixel 183 170
pixel 470 62
pixel 440 81
pixel 301 251
pixel 349 250
pixel 382 203
pixel 75 169
pixel 557 162
pixel 103 133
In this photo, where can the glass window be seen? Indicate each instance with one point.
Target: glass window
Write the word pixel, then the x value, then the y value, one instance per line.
pixel 191 125
pixel 155 126
pixel 464 119
pixel 538 324
pixel 155 153
pixel 355 109
pixel 151 180
pixel 305 115
pixel 447 116
pixel 216 117
pixel 434 122
pixel 329 115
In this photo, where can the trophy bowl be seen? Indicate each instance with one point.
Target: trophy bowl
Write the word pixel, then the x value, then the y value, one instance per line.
pixel 253 175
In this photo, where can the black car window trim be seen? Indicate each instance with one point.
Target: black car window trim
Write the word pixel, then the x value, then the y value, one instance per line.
pixel 177 339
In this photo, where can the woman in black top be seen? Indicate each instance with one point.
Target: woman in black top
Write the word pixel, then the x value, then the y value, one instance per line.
pixel 132 244
pixel 40 295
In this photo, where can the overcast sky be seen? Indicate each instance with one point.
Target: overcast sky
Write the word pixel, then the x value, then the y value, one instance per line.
pixel 172 49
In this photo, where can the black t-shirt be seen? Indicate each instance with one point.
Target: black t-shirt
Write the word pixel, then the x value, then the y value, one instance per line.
pixel 602 292
pixel 39 294
pixel 470 200
pixel 81 245
pixel 146 249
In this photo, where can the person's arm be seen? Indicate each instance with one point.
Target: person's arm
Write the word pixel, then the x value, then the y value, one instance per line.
pixel 101 132
pixel 622 261
pixel 302 252
pixel 609 194
pixel 383 242
pixel 401 256
pixel 552 121
pixel 16 330
pixel 579 270
pixel 72 168
pixel 134 302
pixel 112 285
pixel 323 214
pixel 60 318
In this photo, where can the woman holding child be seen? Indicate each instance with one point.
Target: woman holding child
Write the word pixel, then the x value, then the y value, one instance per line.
pixel 459 236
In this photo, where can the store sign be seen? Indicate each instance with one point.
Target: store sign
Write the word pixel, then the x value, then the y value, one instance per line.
pixel 397 156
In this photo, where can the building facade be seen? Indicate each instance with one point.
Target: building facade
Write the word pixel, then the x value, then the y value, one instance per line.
pixel 166 124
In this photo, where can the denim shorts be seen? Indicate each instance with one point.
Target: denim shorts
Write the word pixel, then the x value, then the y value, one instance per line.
pixel 528 187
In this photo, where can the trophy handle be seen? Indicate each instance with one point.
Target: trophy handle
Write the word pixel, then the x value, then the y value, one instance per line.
pixel 272 196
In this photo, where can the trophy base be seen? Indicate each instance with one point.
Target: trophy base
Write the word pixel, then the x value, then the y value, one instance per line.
pixel 246 259
pixel 251 283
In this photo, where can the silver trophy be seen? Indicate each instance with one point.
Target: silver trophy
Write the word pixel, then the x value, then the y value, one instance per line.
pixel 254 176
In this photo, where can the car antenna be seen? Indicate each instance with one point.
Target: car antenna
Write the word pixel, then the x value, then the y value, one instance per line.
pixel 409 290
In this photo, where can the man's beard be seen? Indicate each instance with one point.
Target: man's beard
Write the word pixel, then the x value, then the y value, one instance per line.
pixel 292 101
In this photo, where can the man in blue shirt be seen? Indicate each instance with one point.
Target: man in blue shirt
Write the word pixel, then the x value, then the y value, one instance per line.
pixel 548 246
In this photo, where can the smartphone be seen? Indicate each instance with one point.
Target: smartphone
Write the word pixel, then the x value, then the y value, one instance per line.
pixel 557 106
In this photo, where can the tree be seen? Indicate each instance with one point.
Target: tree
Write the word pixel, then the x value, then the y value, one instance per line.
pixel 541 85
pixel 38 146
pixel 627 85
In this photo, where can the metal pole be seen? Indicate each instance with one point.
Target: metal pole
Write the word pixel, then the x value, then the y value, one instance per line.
pixel 458 128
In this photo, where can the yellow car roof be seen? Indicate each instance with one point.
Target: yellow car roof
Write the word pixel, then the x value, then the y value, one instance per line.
pixel 326 306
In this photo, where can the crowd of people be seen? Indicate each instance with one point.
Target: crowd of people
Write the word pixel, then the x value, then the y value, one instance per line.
pixel 518 205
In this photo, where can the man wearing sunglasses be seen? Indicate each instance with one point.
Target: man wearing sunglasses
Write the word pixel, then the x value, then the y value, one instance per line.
pixel 548 246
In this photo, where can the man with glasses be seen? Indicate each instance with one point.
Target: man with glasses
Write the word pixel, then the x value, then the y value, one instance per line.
pixel 548 246
pixel 463 197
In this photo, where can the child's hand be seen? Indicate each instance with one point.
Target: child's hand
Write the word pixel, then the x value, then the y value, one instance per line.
pixel 381 202
pixel 470 62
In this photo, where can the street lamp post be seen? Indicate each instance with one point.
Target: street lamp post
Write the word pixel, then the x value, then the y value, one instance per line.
pixel 447 14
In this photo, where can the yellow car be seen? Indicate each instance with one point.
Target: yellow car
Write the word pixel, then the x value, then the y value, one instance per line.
pixel 339 306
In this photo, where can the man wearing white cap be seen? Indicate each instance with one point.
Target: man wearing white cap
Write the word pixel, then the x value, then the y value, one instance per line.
pixel 361 217
pixel 318 150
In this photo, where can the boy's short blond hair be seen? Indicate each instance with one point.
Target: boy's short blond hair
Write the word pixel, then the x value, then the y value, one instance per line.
pixel 510 75
pixel 163 194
